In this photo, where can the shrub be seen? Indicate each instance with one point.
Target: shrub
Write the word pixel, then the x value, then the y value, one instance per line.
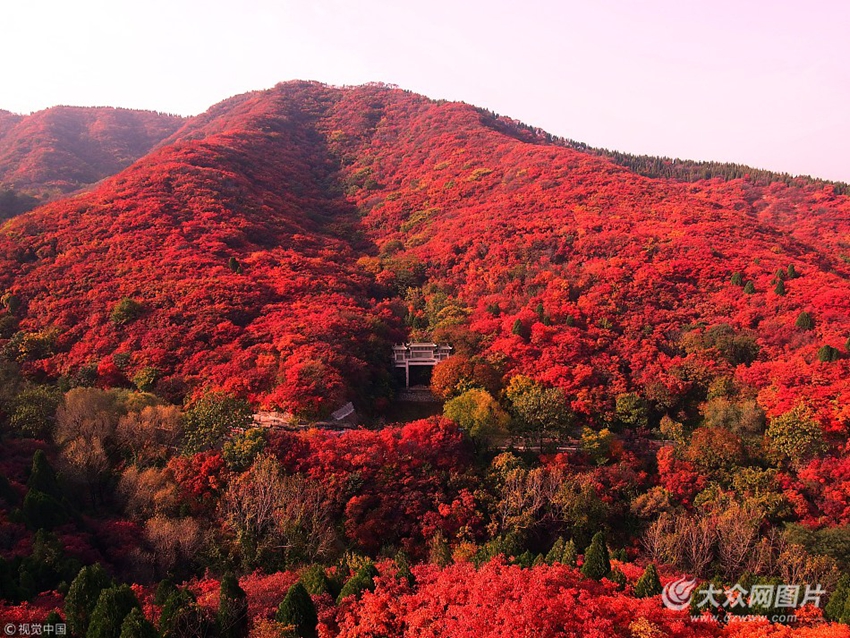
pixel 478 413
pixel 828 353
pixel 796 435
pixel 145 379
pixel 631 410
pixel 212 418
pixel 125 311
pixel 804 321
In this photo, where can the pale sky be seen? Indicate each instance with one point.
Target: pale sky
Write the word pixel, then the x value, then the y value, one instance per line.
pixel 760 82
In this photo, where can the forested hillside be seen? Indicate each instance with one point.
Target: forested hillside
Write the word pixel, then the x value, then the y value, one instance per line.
pixel 63 149
pixel 648 372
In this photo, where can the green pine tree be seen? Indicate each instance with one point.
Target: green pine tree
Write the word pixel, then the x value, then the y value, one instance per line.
pixel 648 584
pixel 46 566
pixel 82 597
pixel 316 581
pixel 42 511
pixel 699 600
pixel 403 564
pixel 164 591
pixel 554 554
pixel 525 559
pixel 42 477
pixel 749 288
pixel 358 583
pixel 792 272
pixel 828 353
pixel 845 613
pixel 780 288
pixel 8 494
pixel 597 562
pixel 135 625
pixel 53 618
pixel 113 606
pixel 42 506
pixel 804 321
pixel 618 577
pixel 9 590
pixel 298 610
pixel 736 279
pixel 181 616
pixel 520 330
pixel 232 615
pixel 570 556
pixel 835 607
pixel 539 311
pixel 439 552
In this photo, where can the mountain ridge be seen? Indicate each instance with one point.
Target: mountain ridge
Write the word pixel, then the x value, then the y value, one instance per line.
pixel 57 151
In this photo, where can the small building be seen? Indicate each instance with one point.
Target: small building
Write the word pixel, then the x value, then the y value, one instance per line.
pixel 418 354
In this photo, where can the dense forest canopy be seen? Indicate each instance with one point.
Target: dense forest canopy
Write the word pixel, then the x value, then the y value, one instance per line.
pixel 646 354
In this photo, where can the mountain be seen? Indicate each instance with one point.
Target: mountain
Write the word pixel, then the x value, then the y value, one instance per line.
pixel 62 149
pixel 276 246
pixel 641 358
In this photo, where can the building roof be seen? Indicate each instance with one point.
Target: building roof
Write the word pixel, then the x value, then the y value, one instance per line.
pixel 414 344
pixel 343 412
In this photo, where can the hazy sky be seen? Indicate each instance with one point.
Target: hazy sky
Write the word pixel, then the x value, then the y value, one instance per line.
pixel 761 82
